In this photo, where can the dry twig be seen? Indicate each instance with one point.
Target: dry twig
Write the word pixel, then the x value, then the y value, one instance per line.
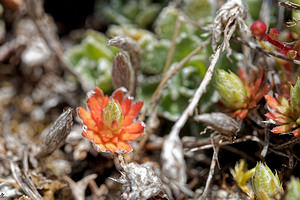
pixel 244 139
pixel 198 94
pixel 289 4
pixel 24 182
pixel 286 144
pixel 211 171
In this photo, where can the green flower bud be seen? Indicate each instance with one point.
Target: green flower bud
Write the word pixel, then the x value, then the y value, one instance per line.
pixel 265 184
pixel 112 113
pixel 295 96
pixel 231 89
pixel 293 189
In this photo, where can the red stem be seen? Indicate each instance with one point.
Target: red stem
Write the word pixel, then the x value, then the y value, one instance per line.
pixel 278 44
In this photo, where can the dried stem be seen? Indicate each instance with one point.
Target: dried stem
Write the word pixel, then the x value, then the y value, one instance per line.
pixel 24 182
pixel 244 139
pixel 198 94
pixel 287 144
pixel 211 172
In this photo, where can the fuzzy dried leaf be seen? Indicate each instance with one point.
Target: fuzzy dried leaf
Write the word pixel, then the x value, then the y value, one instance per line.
pixel 122 72
pixel 229 17
pixel 219 122
pixel 174 167
pixel 141 182
pixel 57 134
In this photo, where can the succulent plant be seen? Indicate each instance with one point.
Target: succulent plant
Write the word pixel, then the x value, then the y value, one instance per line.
pixel 92 60
pixel 285 113
pixel 240 93
pixel 109 122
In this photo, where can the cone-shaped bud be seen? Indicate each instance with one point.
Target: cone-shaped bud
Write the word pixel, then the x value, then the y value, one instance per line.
pixel 112 113
pixel 231 89
pixel 266 185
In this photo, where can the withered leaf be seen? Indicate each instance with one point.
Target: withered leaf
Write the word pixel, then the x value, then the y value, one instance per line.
pixel 220 122
pixel 131 46
pixel 122 71
pixel 57 134
pixel 174 166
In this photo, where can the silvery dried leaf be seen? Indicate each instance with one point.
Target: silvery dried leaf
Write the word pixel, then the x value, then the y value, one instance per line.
pixel 57 134
pixel 122 72
pixel 229 17
pixel 24 182
pixel 173 164
pixel 220 122
pixel 141 182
